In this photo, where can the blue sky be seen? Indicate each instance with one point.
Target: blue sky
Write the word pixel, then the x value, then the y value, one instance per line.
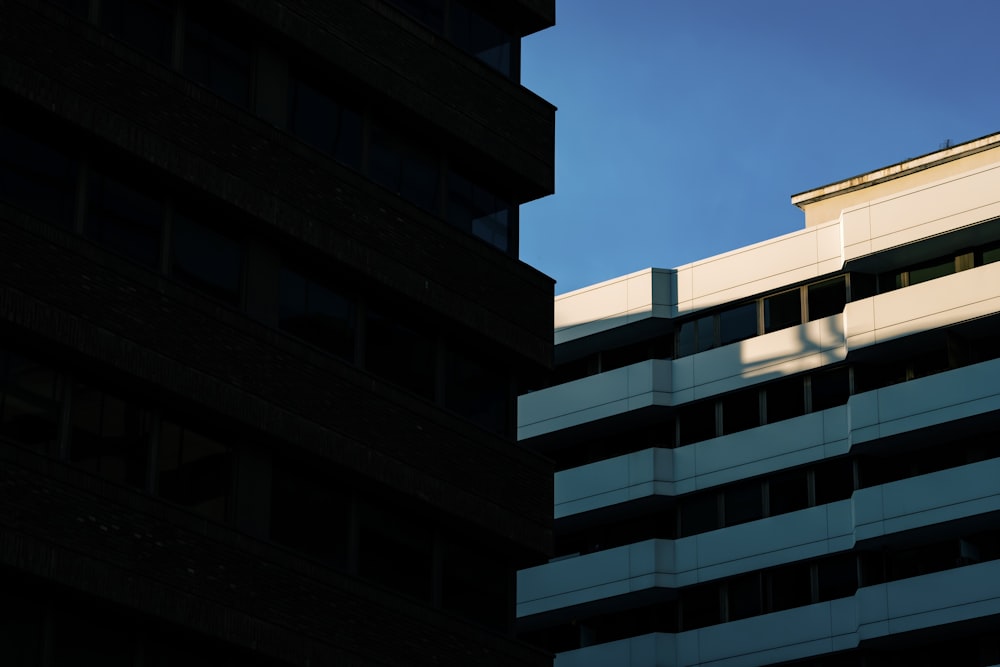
pixel 685 125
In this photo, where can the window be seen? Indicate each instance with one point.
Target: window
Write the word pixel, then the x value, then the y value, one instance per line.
pixel 738 323
pixel 834 481
pixel 699 513
pixel 830 388
pixel 28 405
pixel 303 494
pixel 827 298
pixel 400 353
pixel 123 218
pixel 394 550
pixel 700 606
pixel 782 311
pixel 788 492
pixel 743 503
pixel 36 177
pixel 408 170
pixel 194 470
pixel 206 259
pixel 478 211
pixel 77 7
pixel 743 597
pixel 477 388
pixel 740 411
pixel 109 437
pixel 219 61
pixel 318 119
pixel 788 587
pixel 784 399
pixel 475 583
pixel 145 25
pixel 837 577
pixel 696 422
pixel 316 313
pixel 482 38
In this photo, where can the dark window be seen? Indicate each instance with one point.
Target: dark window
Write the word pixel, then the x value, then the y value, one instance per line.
pixel 740 411
pixel 36 177
pixel 870 376
pixel 706 333
pixel 788 587
pixel 478 211
pixel 937 269
pixel 221 62
pixel 782 311
pixel 700 607
pixel 77 7
pixel 696 421
pixel 788 492
pixel 478 388
pixel 28 407
pixel 300 495
pixel 481 38
pixel 110 436
pixel 123 218
pixel 699 514
pixel 931 362
pixel 206 259
pixel 317 118
pixel 743 503
pixel 785 399
pixel 743 596
pixel 738 323
pixel 863 285
pixel 834 481
pixel 686 338
pixel 837 577
pixel 475 583
pixel 395 550
pixel 828 298
pixel 86 638
pixel 991 255
pixel 400 353
pixel 21 621
pixel 404 168
pixel 830 388
pixel 194 470
pixel 317 314
pixel 145 25
pixel 428 12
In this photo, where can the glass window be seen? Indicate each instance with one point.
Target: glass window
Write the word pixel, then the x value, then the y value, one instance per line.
pixel 405 169
pixel 699 514
pixel 830 388
pixel 316 118
pixel 743 503
pixel 36 177
pixel 22 615
pixel 788 492
pixel 743 596
pixel 700 606
pixel 475 582
pixel 194 470
pixel 109 437
pixel 838 577
pixel 206 259
pixel 785 399
pixel 316 313
pixel 931 271
pixel 28 406
pixel 394 549
pixel 428 12
pixel 77 7
pixel 834 481
pixel 697 422
pixel 145 25
pixel 478 388
pixel 782 311
pixel 738 323
pixel 930 362
pixel 686 338
pixel 788 587
pixel 991 255
pixel 481 38
pixel 829 297
pixel 123 218
pixel 87 637
pixel 300 494
pixel 400 353
pixel 219 61
pixel 740 411
pixel 478 211
pixel 706 333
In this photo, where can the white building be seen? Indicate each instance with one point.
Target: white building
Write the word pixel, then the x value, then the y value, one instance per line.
pixel 788 453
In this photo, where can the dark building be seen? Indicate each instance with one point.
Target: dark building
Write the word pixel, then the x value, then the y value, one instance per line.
pixel 262 324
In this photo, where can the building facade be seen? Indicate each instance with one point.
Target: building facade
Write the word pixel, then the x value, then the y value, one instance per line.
pixel 788 453
pixel 262 320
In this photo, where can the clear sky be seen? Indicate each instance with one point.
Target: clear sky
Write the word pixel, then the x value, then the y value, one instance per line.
pixel 684 126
